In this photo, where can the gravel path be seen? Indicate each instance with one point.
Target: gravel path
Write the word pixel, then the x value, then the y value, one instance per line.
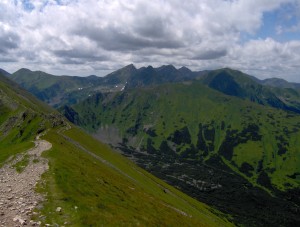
pixel 17 190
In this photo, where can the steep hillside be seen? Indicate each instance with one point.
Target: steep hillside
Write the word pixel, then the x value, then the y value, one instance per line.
pixel 279 83
pixel 5 73
pixel 21 117
pixel 236 155
pixel 87 184
pixel 121 76
pixel 55 90
pixel 235 83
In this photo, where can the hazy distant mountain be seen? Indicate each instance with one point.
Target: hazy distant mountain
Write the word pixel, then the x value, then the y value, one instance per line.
pixel 129 76
pixel 236 83
pixel 280 83
pixel 146 76
pixel 55 90
pixel 59 90
pixel 3 72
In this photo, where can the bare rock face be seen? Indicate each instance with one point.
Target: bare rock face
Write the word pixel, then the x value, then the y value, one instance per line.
pixel 17 195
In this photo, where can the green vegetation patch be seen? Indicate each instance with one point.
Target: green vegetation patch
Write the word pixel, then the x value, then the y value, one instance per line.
pixel 21 165
pixel 7 151
pixel 111 190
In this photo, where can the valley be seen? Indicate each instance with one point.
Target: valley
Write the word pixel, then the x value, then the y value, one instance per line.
pixel 84 181
pixel 222 137
pixel 150 113
pixel 216 148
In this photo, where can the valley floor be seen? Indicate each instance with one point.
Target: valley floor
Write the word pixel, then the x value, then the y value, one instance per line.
pixel 18 178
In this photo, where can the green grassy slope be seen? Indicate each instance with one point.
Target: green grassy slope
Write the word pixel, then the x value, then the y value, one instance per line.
pixel 170 108
pixel 94 185
pixel 21 117
pixel 289 96
pixel 206 131
pixel 111 190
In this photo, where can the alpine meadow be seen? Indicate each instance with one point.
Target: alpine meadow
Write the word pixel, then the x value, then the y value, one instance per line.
pixel 160 113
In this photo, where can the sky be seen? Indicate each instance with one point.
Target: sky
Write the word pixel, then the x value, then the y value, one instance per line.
pixel 85 37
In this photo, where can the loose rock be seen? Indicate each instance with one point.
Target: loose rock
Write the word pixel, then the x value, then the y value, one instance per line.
pixel 58 209
pixel 17 195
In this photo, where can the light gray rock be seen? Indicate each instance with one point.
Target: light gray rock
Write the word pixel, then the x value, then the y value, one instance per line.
pixel 58 209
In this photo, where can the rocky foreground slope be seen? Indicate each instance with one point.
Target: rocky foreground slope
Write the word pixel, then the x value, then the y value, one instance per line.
pixel 19 177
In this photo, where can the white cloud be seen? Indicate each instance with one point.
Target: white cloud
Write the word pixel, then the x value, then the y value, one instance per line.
pixel 83 37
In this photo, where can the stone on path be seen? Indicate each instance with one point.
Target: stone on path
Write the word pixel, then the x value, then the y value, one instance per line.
pixel 17 190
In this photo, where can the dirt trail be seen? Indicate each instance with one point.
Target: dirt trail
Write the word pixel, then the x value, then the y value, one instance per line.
pixel 17 190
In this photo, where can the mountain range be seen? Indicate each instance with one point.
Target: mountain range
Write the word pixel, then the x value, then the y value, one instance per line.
pixel 87 183
pixel 215 147
pixel 221 136
pixel 63 90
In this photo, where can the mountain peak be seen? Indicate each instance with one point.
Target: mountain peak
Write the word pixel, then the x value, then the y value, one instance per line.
pixel 167 68
pixel 131 66
pixel 184 69
pixel 93 78
pixel 128 68
pixel 227 69
pixel 149 67
pixel 276 80
pixel 121 75
pixel 23 70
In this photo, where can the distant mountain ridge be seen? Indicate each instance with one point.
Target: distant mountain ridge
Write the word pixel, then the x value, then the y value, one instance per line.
pixel 61 90
pixel 130 76
pixel 54 89
pixel 280 83
pixel 4 73
pixel 235 83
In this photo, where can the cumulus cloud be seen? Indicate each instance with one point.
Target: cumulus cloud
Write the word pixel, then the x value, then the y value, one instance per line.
pixel 83 37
